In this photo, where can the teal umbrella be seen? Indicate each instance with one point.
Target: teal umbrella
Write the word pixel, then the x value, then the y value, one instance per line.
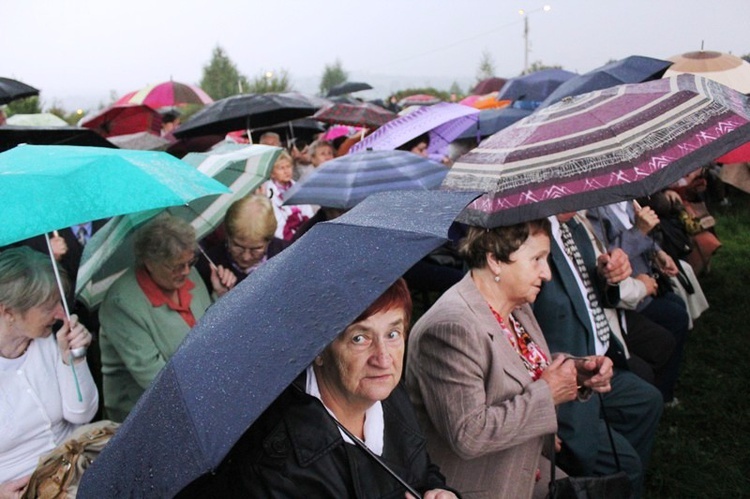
pixel 45 188
pixel 109 252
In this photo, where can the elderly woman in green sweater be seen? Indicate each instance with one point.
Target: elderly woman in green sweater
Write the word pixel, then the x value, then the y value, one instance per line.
pixel 149 310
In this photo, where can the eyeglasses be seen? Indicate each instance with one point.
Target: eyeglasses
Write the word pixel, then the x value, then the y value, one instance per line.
pixel 254 250
pixel 179 267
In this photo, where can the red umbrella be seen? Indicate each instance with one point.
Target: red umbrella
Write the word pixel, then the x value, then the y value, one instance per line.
pixel 124 119
pixel 168 93
pixel 363 115
pixel 493 84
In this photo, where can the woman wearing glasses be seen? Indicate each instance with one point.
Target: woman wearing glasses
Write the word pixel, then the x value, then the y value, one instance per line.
pixel 249 225
pixel 149 310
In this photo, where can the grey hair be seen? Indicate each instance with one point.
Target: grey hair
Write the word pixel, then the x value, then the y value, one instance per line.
pixel 163 239
pixel 27 279
pixel 317 144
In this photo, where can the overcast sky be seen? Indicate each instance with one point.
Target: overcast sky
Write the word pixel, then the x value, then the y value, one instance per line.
pixel 77 52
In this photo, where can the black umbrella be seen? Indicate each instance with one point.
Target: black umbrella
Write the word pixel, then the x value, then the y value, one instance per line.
pixel 11 136
pixel 633 69
pixel 348 88
pixel 247 111
pixel 251 345
pixel 303 128
pixel 492 121
pixel 11 90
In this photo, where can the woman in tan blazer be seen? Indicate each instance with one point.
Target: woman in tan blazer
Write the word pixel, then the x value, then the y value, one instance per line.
pixel 480 374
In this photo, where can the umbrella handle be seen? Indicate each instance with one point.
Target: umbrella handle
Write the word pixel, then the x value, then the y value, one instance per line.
pixel 75 352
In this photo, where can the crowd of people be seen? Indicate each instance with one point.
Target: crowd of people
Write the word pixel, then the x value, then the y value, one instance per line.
pixel 549 336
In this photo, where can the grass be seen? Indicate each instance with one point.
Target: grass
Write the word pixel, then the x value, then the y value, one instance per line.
pixel 703 444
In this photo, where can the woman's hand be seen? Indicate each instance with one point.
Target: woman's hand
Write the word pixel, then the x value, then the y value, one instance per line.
pixel 646 219
pixel 666 264
pixel 15 488
pixel 72 335
pixel 435 494
pixel 222 280
pixel 561 375
pixel 651 285
pixel 595 372
pixel 59 246
pixel 614 266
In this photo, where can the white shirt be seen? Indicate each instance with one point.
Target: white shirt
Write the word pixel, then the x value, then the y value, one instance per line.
pixel 39 406
pixel 374 423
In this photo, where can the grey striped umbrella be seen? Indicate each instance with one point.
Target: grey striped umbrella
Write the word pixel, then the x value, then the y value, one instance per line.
pixel 345 181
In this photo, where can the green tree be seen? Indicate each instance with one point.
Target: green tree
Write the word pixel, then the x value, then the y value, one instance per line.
pixel 455 88
pixel 29 105
pixel 270 81
pixel 221 78
pixel 333 75
pixel 746 57
pixel 538 66
pixel 486 67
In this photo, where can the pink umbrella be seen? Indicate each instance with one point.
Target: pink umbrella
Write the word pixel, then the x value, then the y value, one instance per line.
pixel 168 93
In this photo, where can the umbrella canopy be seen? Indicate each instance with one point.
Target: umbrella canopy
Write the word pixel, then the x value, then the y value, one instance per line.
pixel 443 121
pixel 363 115
pixel 347 180
pixel 243 353
pixel 534 87
pixel 123 119
pixel 348 88
pixel 168 93
pixel 11 90
pixel 493 120
pixel 599 148
pixel 11 136
pixel 46 188
pixel 141 141
pixel 303 128
pixel 633 69
pixel 109 252
pixel 726 69
pixel 36 119
pixel 248 112
pixel 419 100
pixel 492 84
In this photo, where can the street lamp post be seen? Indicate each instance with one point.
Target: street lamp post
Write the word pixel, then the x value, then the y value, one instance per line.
pixel 526 49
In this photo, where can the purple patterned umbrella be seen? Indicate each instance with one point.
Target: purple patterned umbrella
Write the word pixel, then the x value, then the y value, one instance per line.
pixel 599 148
pixel 444 121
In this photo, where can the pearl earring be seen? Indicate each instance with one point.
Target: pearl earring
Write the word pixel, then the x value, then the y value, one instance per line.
pixel 497 278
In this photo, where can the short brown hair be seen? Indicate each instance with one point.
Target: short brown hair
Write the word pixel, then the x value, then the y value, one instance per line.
pixel 251 217
pixel 500 241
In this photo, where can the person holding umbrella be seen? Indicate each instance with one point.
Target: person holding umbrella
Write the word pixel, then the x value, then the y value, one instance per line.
pixel 480 374
pixel 39 406
pixel 149 310
pixel 332 431
pixel 249 225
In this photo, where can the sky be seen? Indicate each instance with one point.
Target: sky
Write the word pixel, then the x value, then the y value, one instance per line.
pixel 80 53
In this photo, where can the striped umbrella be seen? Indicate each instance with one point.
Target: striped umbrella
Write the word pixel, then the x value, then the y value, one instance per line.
pixel 109 252
pixel 168 93
pixel 599 148
pixel 345 181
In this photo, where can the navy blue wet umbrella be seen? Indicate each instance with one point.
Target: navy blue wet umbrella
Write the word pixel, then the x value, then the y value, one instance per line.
pixel 632 69
pixel 493 120
pixel 252 344
pixel 534 87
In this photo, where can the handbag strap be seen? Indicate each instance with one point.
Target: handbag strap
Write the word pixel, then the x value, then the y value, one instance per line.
pixel 552 485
